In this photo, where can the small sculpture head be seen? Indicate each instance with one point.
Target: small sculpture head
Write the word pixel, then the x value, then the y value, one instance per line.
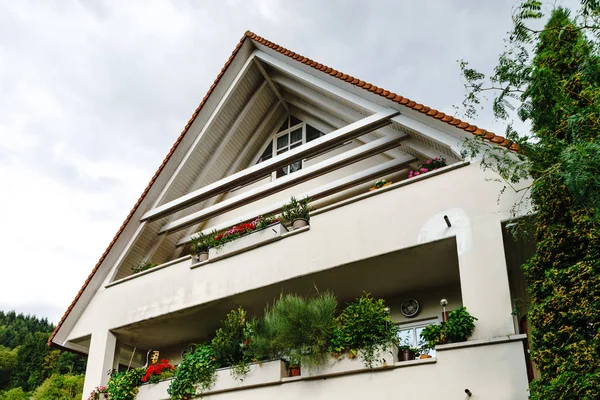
pixel 154 357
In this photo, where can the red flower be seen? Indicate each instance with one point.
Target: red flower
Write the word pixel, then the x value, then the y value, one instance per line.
pixel 157 369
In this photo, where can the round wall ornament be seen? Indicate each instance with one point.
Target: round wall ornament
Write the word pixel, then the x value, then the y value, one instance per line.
pixel 409 308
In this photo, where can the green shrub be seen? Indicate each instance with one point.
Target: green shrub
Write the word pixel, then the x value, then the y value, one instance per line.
pixel 14 394
pixel 124 385
pixel 301 328
pixel 366 328
pixel 231 343
pixel 196 371
pixel 60 387
pixel 458 328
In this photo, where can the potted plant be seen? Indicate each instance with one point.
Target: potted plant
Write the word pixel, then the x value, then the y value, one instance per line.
pixel 367 329
pixel 379 184
pixel 406 352
pixel 201 243
pixel 297 212
pixel 458 328
pixel 460 325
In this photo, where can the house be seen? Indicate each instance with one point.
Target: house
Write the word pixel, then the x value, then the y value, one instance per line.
pixel 276 124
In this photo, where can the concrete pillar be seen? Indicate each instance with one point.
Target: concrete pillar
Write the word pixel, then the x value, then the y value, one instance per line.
pixel 100 360
pixel 484 280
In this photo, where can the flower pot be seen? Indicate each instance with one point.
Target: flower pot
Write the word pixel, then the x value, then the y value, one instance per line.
pixel 203 256
pixel 406 355
pixel 294 371
pixel 424 356
pixel 299 223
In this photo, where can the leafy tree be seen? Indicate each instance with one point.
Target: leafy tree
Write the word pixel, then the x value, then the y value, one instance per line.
pixel 553 76
pixel 60 387
pixel 8 362
pixel 14 394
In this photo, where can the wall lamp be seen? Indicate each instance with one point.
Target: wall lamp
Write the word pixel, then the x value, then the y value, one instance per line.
pixel 447 221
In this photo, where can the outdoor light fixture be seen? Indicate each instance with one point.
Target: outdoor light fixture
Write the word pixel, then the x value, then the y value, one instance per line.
pixel 444 303
pixel 468 392
pixel 447 221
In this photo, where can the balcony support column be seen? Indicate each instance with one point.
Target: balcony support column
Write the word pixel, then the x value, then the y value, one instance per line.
pixel 484 280
pixel 100 361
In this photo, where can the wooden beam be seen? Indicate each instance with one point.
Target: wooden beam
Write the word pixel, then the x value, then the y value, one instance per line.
pixel 321 144
pixel 316 194
pixel 226 96
pixel 258 135
pixel 316 82
pixel 271 84
pixel 306 174
pixel 334 114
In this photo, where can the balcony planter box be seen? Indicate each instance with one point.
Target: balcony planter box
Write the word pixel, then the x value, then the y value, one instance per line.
pixel 259 374
pixel 250 240
pixel 343 364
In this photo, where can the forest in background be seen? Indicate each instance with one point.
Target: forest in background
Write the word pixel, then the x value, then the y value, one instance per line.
pixel 29 368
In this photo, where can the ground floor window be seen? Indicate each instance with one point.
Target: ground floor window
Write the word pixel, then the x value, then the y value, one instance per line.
pixel 410 333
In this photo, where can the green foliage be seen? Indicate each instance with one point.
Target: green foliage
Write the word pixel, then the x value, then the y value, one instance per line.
pixel 60 387
pixel 143 266
pixel 230 343
pixel 197 371
pixel 458 328
pixel 365 327
pixel 302 328
pixel 554 76
pixel 201 242
pixel 296 209
pixel 380 183
pixel 432 335
pixel 8 362
pixel 460 325
pixel 14 394
pixel 124 385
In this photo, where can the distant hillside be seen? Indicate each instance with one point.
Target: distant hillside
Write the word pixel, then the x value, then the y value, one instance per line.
pixel 27 363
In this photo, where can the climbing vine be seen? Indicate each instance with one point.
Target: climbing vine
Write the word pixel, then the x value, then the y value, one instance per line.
pixel 551 77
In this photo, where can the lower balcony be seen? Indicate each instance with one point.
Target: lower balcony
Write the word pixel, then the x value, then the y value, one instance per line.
pixel 492 369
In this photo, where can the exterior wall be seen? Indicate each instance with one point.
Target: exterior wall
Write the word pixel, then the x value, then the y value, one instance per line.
pixel 388 221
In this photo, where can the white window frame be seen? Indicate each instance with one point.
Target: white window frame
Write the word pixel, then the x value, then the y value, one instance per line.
pixel 288 132
pixel 418 324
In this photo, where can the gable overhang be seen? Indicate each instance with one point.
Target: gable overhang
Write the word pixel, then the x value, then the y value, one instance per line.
pixel 255 52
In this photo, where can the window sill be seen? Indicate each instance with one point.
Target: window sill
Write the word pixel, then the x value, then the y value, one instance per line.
pixel 482 342
pixel 242 250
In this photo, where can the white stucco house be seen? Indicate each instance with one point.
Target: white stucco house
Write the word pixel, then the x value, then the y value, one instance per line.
pixel 276 124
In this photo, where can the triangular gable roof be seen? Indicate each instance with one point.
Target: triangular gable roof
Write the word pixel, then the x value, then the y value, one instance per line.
pixel 318 66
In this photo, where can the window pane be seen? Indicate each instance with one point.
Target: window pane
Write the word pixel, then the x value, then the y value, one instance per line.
pixel 296 145
pixel 312 133
pixel 294 121
pixel 268 153
pixel 282 172
pixel 405 337
pixel 296 166
pixel 284 126
pixel 282 141
pixel 296 136
pixel 282 150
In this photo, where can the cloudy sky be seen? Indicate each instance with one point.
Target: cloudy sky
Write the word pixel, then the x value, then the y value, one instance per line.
pixel 93 94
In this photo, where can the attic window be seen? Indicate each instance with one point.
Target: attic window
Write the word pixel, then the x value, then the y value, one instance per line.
pixel 291 134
